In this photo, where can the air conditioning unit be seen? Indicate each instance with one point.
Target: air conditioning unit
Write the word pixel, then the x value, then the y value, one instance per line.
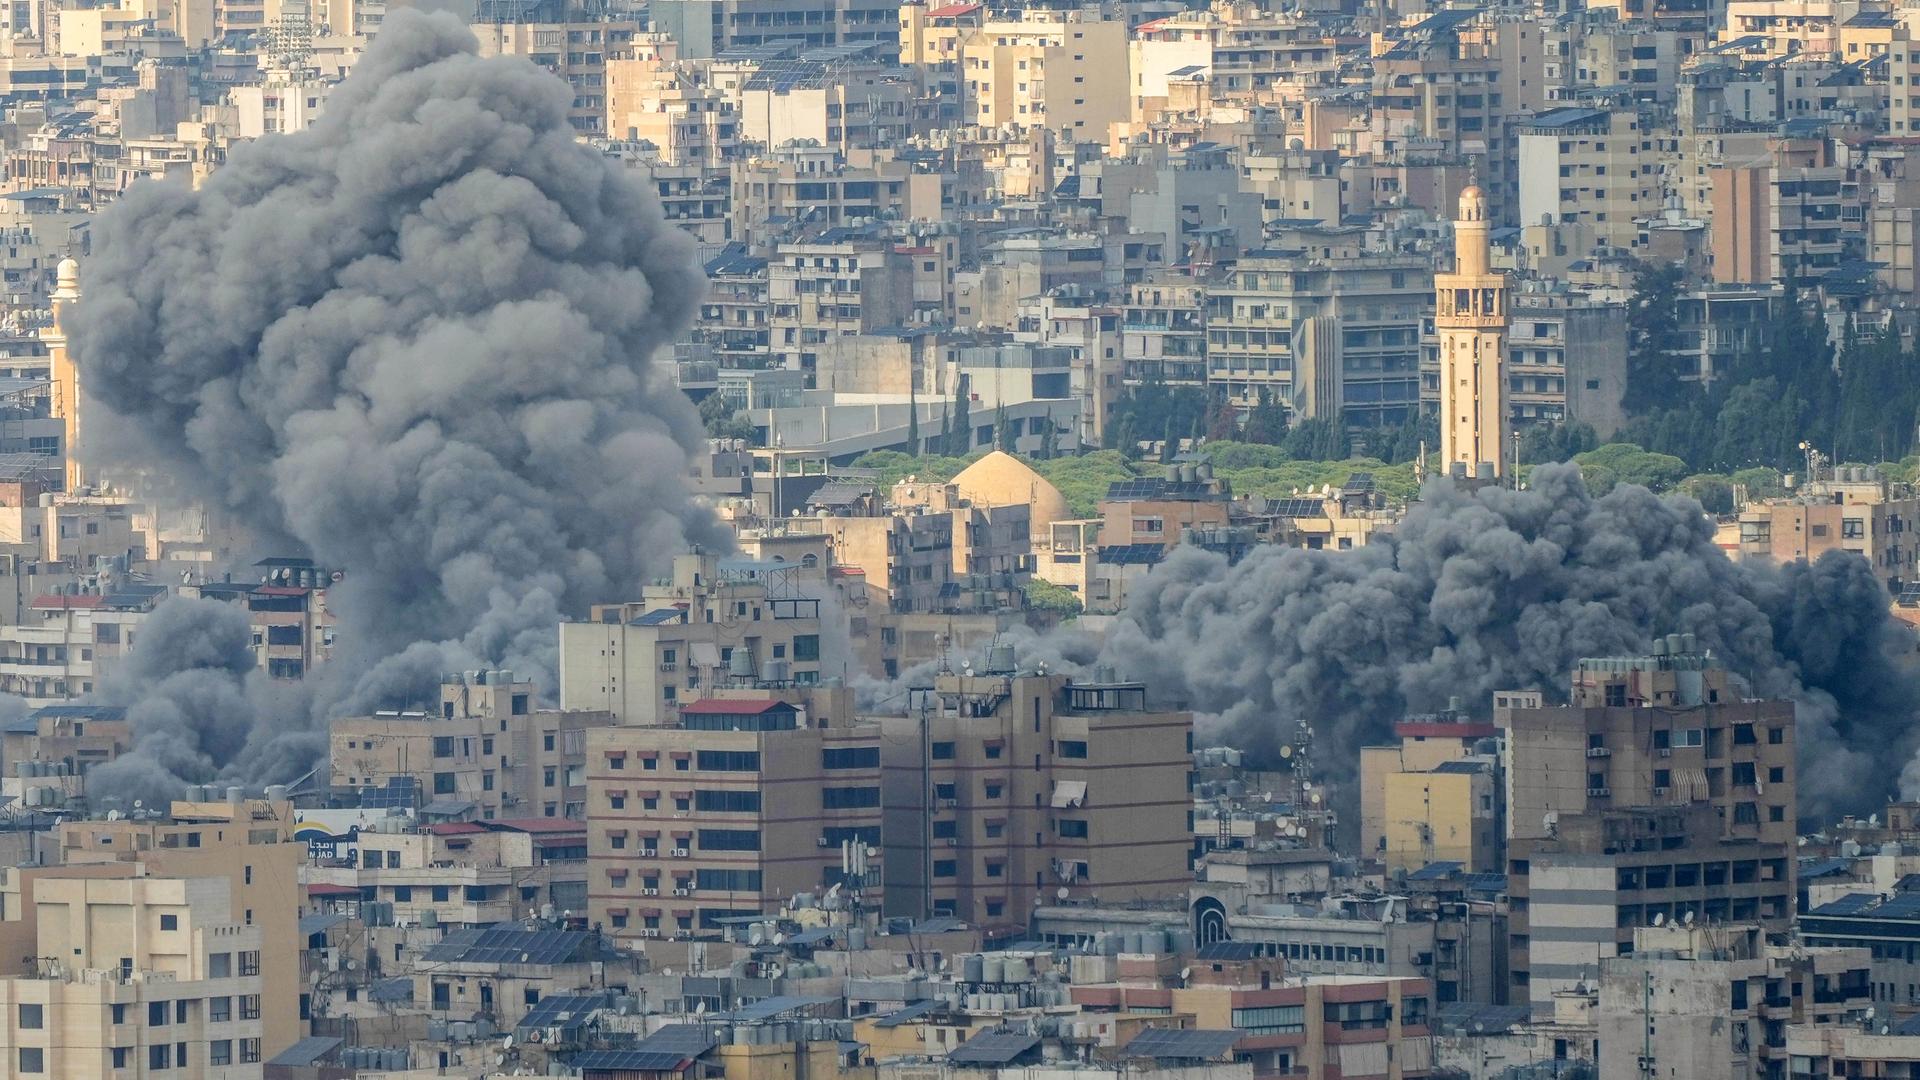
pixel 949 803
pixel 953 841
pixel 1599 792
pixel 1659 791
pixel 649 931
pixel 823 841
pixel 1599 751
pixel 649 892
pixel 680 853
pixel 683 892
pixel 1664 751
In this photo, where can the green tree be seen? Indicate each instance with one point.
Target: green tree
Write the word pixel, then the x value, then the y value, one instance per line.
pixel 1057 599
pixel 913 421
pixel 961 439
pixel 1653 338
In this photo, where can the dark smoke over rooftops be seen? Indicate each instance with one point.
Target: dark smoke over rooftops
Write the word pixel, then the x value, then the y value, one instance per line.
pixel 1502 590
pixel 414 341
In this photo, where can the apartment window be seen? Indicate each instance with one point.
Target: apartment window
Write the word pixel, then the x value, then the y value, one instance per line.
pixel 728 760
pixel 1073 828
pixel 33 1059
pixel 1689 737
pixel 727 880
pixel 249 1051
pixel 943 751
pixel 1073 748
pixel 729 839
pixel 219 1010
pixel 849 798
pixel 850 757
pixel 250 1007
pixel 946 830
pixel 443 783
pixel 1776 736
pixel 249 963
pixel 1853 529
pixel 220 1052
pixel 169 922
pixel 160 1056
pixel 32 1017
pixel 546 776
pixel 993 790
pixel 157 1014
pixel 727 802
pixel 120 1055
pixel 443 746
pixel 945 868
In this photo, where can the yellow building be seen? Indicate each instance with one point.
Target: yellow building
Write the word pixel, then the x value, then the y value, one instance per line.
pixel 245 847
pixel 129 975
pixel 1066 71
pixel 1425 745
pixel 1446 815
pixel 1470 315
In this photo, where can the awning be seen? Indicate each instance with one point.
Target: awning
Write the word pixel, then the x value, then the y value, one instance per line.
pixel 1069 793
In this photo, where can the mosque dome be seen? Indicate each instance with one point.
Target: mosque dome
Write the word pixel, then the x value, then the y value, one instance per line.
pixel 1000 479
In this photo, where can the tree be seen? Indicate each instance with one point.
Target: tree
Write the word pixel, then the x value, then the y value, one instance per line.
pixel 1222 418
pixel 960 440
pixel 1319 439
pixel 913 420
pixel 1653 338
pixel 1267 423
pixel 1002 437
pixel 1058 599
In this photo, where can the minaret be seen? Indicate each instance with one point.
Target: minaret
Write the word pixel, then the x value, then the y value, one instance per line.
pixel 66 377
pixel 1470 314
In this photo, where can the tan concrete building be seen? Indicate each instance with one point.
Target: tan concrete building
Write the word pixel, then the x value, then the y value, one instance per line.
pixel 1470 317
pixel 1063 70
pixel 1396 785
pixel 1586 167
pixel 245 852
pixel 135 976
pixel 1095 778
pixel 487 746
pixel 748 800
pixel 1866 515
pixel 575 51
pixel 715 622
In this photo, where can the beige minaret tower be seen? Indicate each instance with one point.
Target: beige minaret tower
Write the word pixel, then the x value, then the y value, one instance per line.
pixel 1470 314
pixel 66 377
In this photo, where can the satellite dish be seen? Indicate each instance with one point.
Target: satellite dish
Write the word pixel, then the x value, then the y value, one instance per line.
pixel 138 805
pixel 508 1043
pixel 1316 798
pixel 699 1008
pixel 1061 892
pixel 1659 918
pixel 1286 751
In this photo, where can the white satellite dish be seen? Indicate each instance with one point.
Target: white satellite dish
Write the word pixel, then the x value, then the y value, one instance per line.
pixel 508 1043
pixel 1286 751
pixel 1061 892
pixel 699 1008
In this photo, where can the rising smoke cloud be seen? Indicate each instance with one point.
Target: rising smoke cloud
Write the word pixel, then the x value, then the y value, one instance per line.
pixel 414 342
pixel 1499 590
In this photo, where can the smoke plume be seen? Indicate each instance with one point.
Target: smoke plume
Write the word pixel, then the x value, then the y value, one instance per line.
pixel 413 342
pixel 1499 590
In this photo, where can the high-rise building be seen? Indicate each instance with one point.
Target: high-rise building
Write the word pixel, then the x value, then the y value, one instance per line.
pixel 1470 316
pixel 1094 777
pixel 748 800
pixel 66 377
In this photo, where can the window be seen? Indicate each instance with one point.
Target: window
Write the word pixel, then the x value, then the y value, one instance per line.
pixel 1853 529
pixel 547 776
pixel 443 746
pixel 160 1057
pixel 249 1051
pixel 1271 1020
pixel 169 922
pixel 728 760
pixel 219 1010
pixel 443 783
pixel 32 1017
pixel 249 963
pixel 727 802
pixel 806 647
pixel 1073 827
pixel 993 790
pixel 849 798
pixel 946 830
pixel 157 1014
pixel 120 1054
pixel 33 1059
pixel 1689 737
pixel 546 742
pixel 850 757
pixel 730 839
pixel 727 880
pixel 250 1007
pixel 220 1052
pixel 943 751
pixel 1073 748
pixel 945 868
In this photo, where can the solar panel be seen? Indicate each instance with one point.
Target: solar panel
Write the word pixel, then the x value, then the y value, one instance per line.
pixel 1487 883
pixel 564 1010
pixel 629 1061
pixel 512 944
pixel 912 1012
pixel 1298 508
pixel 1227 950
pixel 1167 1043
pixel 1850 904
pixel 1434 871
pixel 689 1039
pixel 401 791
pixel 768 1008
pixel 1359 483
pixel 1476 1018
pixel 1909 1026
pixel 992 1048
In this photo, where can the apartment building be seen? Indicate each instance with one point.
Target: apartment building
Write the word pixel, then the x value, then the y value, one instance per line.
pixel 706 28
pixel 76 736
pixel 713 623
pixel 244 864
pixel 487 751
pixel 749 798
pixel 984 761
pixel 1715 1002
pixel 1658 790
pixel 1063 70
pixel 575 51
pixel 1435 796
pixel 463 874
pixel 1854 511
pixel 821 187
pixel 1325 329
pixel 1587 168
pixel 134 975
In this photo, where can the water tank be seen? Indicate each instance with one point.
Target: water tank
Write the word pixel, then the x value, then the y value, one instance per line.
pixel 23 769
pixel 1173 474
pixel 430 918
pixel 740 663
pixel 971 968
pixel 236 795
pixel 1189 473
pixel 857 939
pixel 436 1031
pixel 776 671
pixel 991 969
pixel 276 793
pixel 1000 658
pixel 1483 471
pixel 1206 470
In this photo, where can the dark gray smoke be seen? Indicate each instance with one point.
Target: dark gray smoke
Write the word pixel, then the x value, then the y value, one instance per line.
pixel 1507 590
pixel 415 342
